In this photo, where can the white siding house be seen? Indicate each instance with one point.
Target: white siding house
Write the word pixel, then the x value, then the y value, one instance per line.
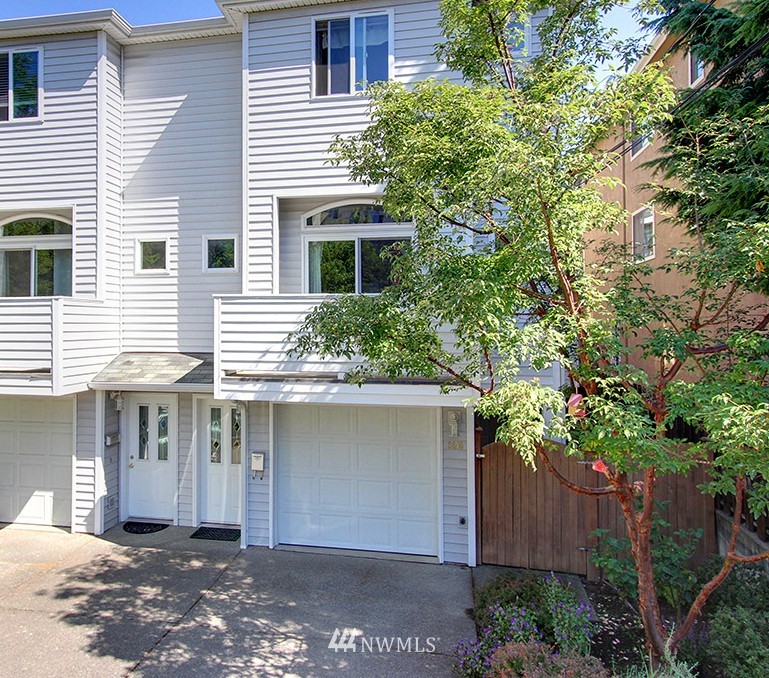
pixel 184 168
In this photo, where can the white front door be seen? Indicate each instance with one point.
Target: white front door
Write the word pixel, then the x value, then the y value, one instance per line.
pixel 151 456
pixel 221 457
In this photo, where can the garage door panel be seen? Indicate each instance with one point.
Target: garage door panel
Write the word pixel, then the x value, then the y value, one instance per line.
pixel 413 461
pixel 60 474
pixel 412 423
pixel 336 456
pixel 375 459
pixel 298 491
pixel 334 421
pixel 7 474
pixel 62 502
pixel 33 442
pixel 366 489
pixel 9 408
pixel 415 498
pixel 60 412
pixel 415 534
pixel 336 492
pixel 374 495
pixel 36 508
pixel 375 532
pixel 35 460
pixel 374 423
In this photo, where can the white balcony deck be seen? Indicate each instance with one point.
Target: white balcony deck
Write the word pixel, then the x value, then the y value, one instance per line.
pixel 253 359
pixel 54 346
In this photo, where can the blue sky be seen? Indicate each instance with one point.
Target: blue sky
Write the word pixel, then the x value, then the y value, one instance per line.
pixel 139 12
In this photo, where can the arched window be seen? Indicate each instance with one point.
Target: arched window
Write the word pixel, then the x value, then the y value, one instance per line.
pixel 35 256
pixel 345 248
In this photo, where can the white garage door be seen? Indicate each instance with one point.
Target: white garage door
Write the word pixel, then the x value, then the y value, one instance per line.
pixel 357 478
pixel 35 460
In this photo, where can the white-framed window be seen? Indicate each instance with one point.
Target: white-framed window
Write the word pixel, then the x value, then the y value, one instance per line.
pixel 35 256
pixel 696 69
pixel 343 248
pixel 640 138
pixel 643 233
pixel 220 253
pixel 350 52
pixel 152 255
pixel 21 84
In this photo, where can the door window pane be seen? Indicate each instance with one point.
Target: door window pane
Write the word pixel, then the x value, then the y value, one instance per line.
pixel 215 451
pixel 144 431
pixel 371 50
pixel 332 267
pixel 235 435
pixel 16 273
pixel 162 432
pixel 25 92
pixel 374 270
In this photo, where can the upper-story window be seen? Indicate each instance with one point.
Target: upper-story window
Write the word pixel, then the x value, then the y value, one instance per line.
pixel 640 139
pixel 35 257
pixel 696 69
pixel 344 247
pixel 643 233
pixel 19 84
pixel 351 52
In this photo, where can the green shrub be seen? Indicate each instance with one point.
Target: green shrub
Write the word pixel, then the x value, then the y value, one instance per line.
pixel 738 642
pixel 507 591
pixel 745 586
pixel 676 582
pixel 537 660
pixel 563 620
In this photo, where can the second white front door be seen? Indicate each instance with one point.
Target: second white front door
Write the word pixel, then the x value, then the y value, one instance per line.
pixel 151 456
pixel 221 462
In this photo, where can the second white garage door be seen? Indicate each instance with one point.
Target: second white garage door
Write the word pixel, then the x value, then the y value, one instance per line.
pixel 357 478
pixel 35 460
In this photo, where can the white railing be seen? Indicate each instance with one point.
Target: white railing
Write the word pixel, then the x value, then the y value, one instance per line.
pixel 252 336
pixel 53 346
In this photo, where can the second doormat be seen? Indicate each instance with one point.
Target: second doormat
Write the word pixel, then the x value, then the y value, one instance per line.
pixel 216 534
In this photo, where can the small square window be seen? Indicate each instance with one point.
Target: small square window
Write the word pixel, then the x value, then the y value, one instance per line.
pixel 152 255
pixel 219 254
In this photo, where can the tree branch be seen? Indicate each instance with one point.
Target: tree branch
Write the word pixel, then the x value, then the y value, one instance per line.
pixel 579 489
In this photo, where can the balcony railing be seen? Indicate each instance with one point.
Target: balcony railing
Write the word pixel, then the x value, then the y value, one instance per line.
pixel 54 346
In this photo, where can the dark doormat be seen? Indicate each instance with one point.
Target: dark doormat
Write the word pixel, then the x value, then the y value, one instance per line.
pixel 134 527
pixel 216 534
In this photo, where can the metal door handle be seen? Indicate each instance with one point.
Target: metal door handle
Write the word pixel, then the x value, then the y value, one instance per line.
pixel 130 465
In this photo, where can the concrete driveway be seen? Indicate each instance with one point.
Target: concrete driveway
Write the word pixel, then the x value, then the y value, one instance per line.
pixel 165 605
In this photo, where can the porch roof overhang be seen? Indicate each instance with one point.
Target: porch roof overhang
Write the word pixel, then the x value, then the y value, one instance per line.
pixel 157 372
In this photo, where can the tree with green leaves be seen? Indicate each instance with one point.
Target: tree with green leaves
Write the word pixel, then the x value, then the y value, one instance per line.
pixel 503 173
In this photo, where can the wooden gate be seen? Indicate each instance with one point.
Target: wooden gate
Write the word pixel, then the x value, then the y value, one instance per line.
pixel 528 519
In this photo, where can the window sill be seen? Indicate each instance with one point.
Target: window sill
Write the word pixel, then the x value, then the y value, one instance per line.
pixel 153 274
pixel 21 122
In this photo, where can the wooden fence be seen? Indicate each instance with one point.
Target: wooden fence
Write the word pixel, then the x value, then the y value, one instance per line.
pixel 528 519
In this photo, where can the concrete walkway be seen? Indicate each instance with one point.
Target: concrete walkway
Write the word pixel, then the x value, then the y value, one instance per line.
pixel 165 605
